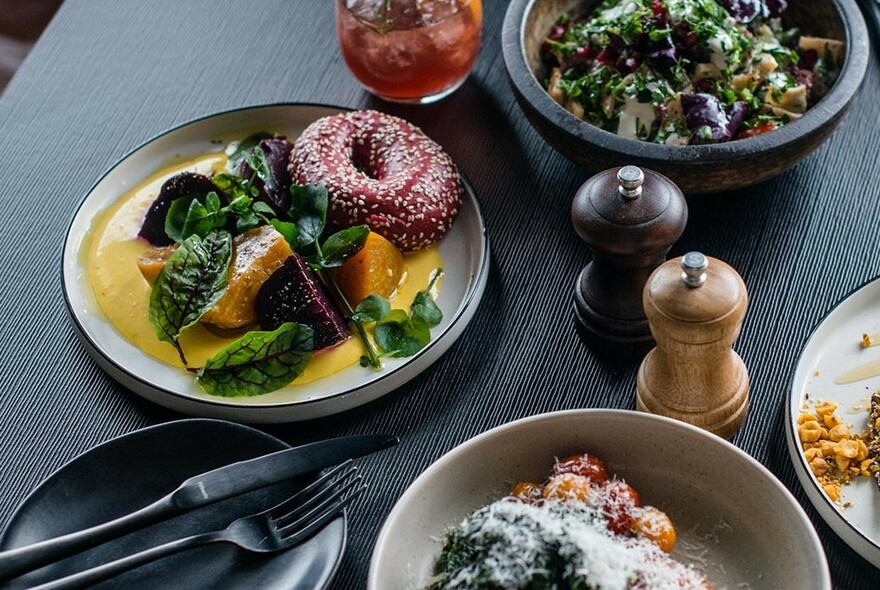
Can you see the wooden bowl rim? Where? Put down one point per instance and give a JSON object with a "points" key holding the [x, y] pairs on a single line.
{"points": [[824, 113]]}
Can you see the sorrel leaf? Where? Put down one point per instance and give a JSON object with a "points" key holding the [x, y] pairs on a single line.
{"points": [[258, 362], [190, 283]]}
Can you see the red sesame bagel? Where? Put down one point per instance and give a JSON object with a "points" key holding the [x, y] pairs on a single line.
{"points": [[381, 171]]}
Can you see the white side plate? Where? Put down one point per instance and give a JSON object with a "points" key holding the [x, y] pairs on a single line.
{"points": [[465, 253], [834, 348]]}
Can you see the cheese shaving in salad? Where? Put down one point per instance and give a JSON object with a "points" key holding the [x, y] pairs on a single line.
{"points": [[513, 544]]}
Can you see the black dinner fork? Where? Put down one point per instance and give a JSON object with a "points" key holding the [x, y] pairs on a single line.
{"points": [[287, 524]]}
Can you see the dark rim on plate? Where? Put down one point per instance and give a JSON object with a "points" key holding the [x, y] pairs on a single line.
{"points": [[789, 428], [261, 408], [832, 104]]}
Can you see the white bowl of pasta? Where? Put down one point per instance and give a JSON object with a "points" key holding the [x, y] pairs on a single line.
{"points": [[735, 525]]}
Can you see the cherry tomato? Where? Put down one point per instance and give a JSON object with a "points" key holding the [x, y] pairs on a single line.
{"points": [[757, 130], [655, 525], [527, 491], [566, 487], [584, 465], [618, 501]]}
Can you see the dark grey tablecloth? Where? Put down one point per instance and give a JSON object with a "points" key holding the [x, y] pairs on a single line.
{"points": [[107, 75]]}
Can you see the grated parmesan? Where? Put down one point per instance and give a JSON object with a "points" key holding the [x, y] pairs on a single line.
{"points": [[512, 544]]}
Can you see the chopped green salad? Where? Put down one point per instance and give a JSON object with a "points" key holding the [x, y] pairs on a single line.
{"points": [[682, 72]]}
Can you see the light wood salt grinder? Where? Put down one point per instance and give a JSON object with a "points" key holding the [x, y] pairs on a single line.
{"points": [[695, 306], [629, 219]]}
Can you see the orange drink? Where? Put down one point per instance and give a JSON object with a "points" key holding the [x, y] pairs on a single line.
{"points": [[410, 50]]}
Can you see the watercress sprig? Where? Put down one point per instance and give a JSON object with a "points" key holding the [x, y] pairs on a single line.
{"points": [[309, 210], [397, 333]]}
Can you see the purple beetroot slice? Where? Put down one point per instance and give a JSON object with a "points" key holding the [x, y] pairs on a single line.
{"points": [[276, 192], [293, 294], [185, 184]]}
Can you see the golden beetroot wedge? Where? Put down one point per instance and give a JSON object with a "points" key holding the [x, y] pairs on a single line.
{"points": [[256, 255], [377, 268]]}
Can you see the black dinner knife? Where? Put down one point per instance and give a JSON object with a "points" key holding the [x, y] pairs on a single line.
{"points": [[199, 490]]}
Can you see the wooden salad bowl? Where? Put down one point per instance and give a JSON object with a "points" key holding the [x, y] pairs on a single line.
{"points": [[696, 168]]}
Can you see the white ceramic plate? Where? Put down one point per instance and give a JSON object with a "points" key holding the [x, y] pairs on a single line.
{"points": [[832, 350], [465, 253], [749, 530]]}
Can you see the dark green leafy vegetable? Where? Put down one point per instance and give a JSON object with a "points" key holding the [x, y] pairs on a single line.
{"points": [[194, 218], [286, 229], [189, 284], [400, 334], [259, 166], [372, 309], [184, 186], [198, 218], [245, 149], [343, 245], [309, 211], [258, 362], [235, 186], [425, 308]]}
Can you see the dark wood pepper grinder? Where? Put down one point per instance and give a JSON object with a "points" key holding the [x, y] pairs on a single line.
{"points": [[629, 219], [696, 306]]}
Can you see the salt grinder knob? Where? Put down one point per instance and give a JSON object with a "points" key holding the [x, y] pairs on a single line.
{"points": [[693, 266], [695, 306], [629, 218]]}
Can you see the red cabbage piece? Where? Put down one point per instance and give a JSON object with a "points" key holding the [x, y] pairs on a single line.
{"points": [[708, 121]]}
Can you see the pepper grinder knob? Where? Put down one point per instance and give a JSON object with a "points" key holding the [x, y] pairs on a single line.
{"points": [[630, 179], [695, 307], [629, 218]]}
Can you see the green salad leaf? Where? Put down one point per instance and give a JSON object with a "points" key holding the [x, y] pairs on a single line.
{"points": [[308, 208], [399, 334], [244, 150], [258, 362], [190, 283], [185, 219], [372, 309], [343, 245]]}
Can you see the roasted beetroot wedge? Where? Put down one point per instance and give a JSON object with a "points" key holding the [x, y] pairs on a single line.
{"points": [[185, 184], [294, 294], [276, 192]]}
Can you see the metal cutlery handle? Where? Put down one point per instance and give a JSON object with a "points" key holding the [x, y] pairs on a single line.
{"points": [[24, 559], [199, 490], [114, 568]]}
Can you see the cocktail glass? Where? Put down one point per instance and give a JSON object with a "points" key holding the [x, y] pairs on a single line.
{"points": [[412, 51]]}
